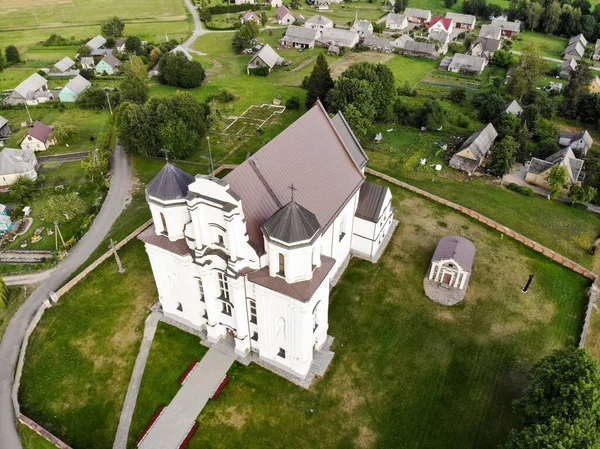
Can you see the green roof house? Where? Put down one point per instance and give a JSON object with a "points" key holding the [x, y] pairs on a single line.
{"points": [[109, 65], [73, 88]]}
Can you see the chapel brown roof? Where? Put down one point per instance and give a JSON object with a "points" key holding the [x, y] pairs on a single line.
{"points": [[179, 247]]}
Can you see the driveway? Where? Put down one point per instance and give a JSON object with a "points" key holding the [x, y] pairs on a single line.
{"points": [[64, 157], [11, 343]]}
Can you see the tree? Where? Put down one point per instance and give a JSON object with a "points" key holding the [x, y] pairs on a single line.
{"points": [[531, 116], [490, 105], [582, 194], [3, 294], [551, 17], [293, 103], [557, 178], [95, 98], [133, 44], [576, 90], [84, 50], [22, 190], [175, 69], [458, 94], [503, 58], [527, 73], [12, 54], [503, 156], [134, 86], [357, 122], [263, 18], [244, 36], [112, 27], [2, 61], [355, 92], [400, 5], [64, 132], [432, 115], [64, 208], [319, 83], [155, 55], [509, 125], [95, 165], [560, 409]]}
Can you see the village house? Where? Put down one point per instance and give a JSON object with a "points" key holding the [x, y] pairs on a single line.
{"points": [[579, 141], [266, 57], [299, 37], [514, 108], [101, 52], [284, 16], [4, 128], [62, 67], [393, 21], [15, 163], [338, 37], [33, 90], [275, 3], [467, 64], [595, 85], [108, 65], [74, 87], [242, 2], [450, 270], [183, 51], [87, 62], [401, 41], [576, 47], [490, 32], [509, 29], [415, 15], [250, 16], [250, 258], [485, 48], [462, 21], [320, 23], [539, 169], [96, 42], [473, 152], [376, 43], [567, 68], [440, 30], [422, 49], [120, 45], [6, 223], [363, 28], [596, 55], [38, 137]]}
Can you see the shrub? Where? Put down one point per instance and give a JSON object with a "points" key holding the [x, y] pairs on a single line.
{"points": [[260, 71], [224, 96], [527, 191], [293, 103]]}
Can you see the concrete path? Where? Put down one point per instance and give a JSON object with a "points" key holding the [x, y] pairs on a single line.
{"points": [[11, 342], [198, 29], [29, 278], [64, 157], [178, 418], [136, 381]]}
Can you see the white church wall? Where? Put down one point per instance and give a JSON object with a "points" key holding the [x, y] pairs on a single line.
{"points": [[175, 217], [363, 236], [332, 246], [298, 261]]}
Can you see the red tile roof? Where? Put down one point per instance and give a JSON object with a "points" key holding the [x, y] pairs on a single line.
{"points": [[282, 11], [446, 23]]}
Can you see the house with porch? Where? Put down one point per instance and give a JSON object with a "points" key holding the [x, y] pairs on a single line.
{"points": [[471, 155], [38, 138], [338, 37], [539, 169], [249, 260], [299, 37], [420, 49]]}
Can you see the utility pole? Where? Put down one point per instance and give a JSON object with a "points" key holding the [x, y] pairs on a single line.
{"points": [[114, 248], [108, 99], [210, 161], [27, 109]]}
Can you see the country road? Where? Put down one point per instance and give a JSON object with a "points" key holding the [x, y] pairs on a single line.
{"points": [[64, 157], [11, 343]]}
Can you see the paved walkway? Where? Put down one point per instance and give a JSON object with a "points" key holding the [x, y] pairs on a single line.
{"points": [[136, 380], [11, 342], [28, 278], [178, 418]]}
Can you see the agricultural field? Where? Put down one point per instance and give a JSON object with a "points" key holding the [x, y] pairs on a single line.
{"points": [[398, 355]]}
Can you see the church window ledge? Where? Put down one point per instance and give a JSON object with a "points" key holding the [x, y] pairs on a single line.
{"points": [[281, 353]]}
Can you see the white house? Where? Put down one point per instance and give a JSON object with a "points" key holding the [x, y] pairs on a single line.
{"points": [[275, 3], [250, 16], [33, 90], [266, 57], [299, 37], [364, 28], [580, 141], [38, 138], [63, 66], [96, 42], [338, 37], [416, 15], [394, 21], [320, 23], [250, 258], [284, 16], [462, 21], [15, 163], [241, 2]]}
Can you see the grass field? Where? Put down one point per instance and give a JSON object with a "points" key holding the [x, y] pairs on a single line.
{"points": [[16, 296], [407, 373], [550, 46], [80, 356], [31, 440]]}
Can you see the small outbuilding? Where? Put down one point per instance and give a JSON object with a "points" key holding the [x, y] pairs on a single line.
{"points": [[266, 57], [450, 270]]}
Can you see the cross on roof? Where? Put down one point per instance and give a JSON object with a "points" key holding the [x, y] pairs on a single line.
{"points": [[292, 188]]}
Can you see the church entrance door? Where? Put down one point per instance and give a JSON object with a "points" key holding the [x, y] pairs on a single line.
{"points": [[230, 333], [447, 278]]}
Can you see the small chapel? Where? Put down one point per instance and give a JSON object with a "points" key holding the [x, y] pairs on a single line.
{"points": [[252, 257]]}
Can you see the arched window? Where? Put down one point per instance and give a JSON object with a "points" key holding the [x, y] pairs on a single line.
{"points": [[281, 265], [164, 223], [315, 317]]}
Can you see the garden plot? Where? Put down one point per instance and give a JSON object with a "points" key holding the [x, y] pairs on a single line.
{"points": [[252, 119]]}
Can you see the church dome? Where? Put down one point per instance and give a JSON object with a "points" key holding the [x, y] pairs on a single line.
{"points": [[171, 183], [292, 224]]}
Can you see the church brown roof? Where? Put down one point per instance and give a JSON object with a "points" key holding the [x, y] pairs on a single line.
{"points": [[311, 155], [179, 247]]}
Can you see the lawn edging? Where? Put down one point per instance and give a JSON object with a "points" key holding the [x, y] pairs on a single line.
{"points": [[51, 301]]}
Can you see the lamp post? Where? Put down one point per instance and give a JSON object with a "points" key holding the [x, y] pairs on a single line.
{"points": [[210, 161], [524, 289]]}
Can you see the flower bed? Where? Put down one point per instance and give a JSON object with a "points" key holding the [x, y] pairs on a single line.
{"points": [[220, 388], [188, 371], [139, 440]]}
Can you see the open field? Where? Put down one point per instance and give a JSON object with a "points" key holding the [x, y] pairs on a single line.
{"points": [[550, 46], [81, 354], [31, 440], [407, 372]]}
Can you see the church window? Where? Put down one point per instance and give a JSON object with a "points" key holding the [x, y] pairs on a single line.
{"points": [[220, 241], [179, 307], [226, 308], [255, 336], [315, 323], [164, 223], [201, 290], [253, 311], [281, 265], [281, 353], [342, 228], [223, 286], [205, 316]]}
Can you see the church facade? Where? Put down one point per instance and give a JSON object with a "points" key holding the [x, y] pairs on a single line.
{"points": [[251, 257]]}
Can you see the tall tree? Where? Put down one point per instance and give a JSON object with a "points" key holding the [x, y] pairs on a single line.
{"points": [[557, 178], [64, 208], [22, 190], [560, 408], [95, 165], [319, 82], [551, 17], [12, 54], [133, 44], [582, 194], [355, 92], [175, 69], [64, 132], [244, 36], [112, 27], [2, 61], [576, 90], [400, 5], [527, 73], [432, 115], [134, 85], [357, 122], [503, 156], [3, 294]]}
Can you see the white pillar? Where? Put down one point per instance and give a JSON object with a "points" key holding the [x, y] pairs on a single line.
{"points": [[213, 306], [231, 236]]}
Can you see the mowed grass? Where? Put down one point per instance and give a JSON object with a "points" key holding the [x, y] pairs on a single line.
{"points": [[550, 46], [160, 382], [407, 373], [592, 341], [81, 355], [93, 127], [31, 440]]}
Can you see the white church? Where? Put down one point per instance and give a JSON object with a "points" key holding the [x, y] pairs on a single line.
{"points": [[251, 257]]}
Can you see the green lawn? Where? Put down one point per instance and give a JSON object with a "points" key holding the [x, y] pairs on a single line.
{"points": [[550, 46], [81, 355], [16, 296], [31, 440], [93, 127], [407, 373]]}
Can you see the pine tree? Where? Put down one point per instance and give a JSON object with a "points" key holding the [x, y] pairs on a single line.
{"points": [[319, 83]]}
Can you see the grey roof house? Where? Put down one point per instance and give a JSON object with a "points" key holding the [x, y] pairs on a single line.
{"points": [[15, 163], [266, 57], [576, 47], [473, 152], [467, 64], [301, 37], [416, 15], [96, 42], [567, 68], [4, 128], [338, 37], [538, 169], [509, 29], [596, 55], [63, 66], [485, 48], [513, 107], [490, 32], [33, 90], [581, 141], [394, 21], [463, 21], [378, 44], [413, 48]]}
